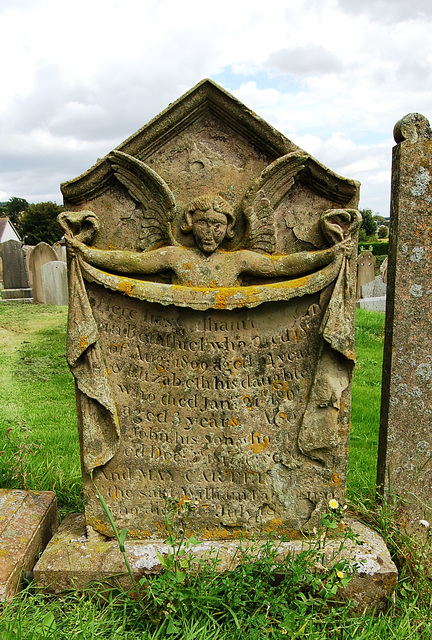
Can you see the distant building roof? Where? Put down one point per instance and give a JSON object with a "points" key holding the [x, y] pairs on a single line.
{"points": [[7, 230]]}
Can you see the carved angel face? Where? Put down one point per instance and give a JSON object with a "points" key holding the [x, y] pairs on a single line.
{"points": [[209, 229]]}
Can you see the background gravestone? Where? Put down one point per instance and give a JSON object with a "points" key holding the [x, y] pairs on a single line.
{"points": [[27, 249], [40, 255], [14, 269], [54, 282], [373, 289], [15, 278], [384, 270], [60, 249], [405, 443], [365, 269], [212, 274]]}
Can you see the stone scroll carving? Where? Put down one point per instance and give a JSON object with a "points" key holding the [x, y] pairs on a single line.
{"points": [[210, 333]]}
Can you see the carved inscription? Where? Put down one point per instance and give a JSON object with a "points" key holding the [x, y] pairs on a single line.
{"points": [[209, 408]]}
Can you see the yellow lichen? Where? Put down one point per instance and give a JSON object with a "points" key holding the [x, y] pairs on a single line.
{"points": [[256, 446], [336, 479], [126, 286]]}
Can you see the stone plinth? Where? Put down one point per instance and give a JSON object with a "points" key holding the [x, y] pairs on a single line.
{"points": [[405, 443], [18, 295], [73, 560], [372, 304], [28, 520]]}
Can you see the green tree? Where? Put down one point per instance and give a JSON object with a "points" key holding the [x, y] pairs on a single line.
{"points": [[380, 220], [368, 225], [14, 209], [39, 223], [383, 231]]}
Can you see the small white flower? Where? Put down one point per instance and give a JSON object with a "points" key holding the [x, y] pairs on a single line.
{"points": [[333, 504], [425, 523]]}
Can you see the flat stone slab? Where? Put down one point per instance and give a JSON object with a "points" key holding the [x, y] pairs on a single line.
{"points": [[28, 520], [372, 304], [74, 560], [17, 294]]}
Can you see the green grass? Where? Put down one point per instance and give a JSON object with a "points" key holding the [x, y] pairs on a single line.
{"points": [[37, 404], [366, 396], [40, 451]]}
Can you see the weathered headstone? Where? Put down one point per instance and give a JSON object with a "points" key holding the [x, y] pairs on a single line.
{"points": [[374, 289], [40, 255], [15, 278], [54, 282], [405, 444], [212, 289], [212, 277], [384, 270], [27, 249], [365, 269], [60, 249]]}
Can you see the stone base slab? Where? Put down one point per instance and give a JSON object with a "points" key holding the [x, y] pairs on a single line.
{"points": [[75, 558], [17, 295], [372, 304], [28, 519]]}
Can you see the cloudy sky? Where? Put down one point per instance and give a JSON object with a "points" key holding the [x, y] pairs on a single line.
{"points": [[333, 75]]}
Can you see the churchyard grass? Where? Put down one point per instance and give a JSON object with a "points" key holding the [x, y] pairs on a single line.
{"points": [[40, 451], [37, 405]]}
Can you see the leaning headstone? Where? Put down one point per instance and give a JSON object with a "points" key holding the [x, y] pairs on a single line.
{"points": [[28, 520], [27, 249], [41, 254], [60, 249], [405, 443], [365, 269], [374, 288], [15, 278], [54, 282], [212, 293], [384, 270]]}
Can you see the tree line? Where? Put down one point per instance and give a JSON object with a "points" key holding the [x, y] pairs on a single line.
{"points": [[34, 222], [373, 226]]}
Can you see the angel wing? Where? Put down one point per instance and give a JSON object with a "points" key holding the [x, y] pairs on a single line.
{"points": [[263, 197], [153, 195], [339, 224]]}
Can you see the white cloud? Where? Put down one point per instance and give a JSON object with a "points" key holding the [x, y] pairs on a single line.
{"points": [[334, 75]]}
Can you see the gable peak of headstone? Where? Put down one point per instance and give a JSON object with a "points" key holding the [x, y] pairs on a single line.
{"points": [[206, 101]]}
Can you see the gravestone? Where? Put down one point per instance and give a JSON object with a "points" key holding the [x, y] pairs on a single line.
{"points": [[212, 275], [384, 270], [211, 297], [27, 250], [405, 443], [374, 289], [15, 278], [365, 269], [54, 282], [60, 249], [41, 254]]}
